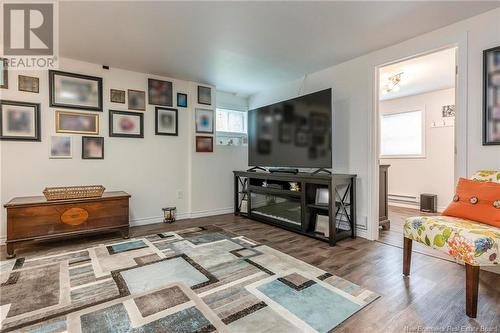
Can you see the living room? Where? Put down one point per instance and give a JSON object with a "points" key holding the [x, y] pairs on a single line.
{"points": [[130, 202]]}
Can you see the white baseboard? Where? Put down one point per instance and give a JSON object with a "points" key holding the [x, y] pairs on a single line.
{"points": [[363, 233], [181, 216], [404, 205], [155, 219], [211, 212]]}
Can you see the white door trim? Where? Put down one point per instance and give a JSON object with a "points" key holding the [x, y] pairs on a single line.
{"points": [[461, 130]]}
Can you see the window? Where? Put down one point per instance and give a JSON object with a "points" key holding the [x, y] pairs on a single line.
{"points": [[231, 127], [401, 135]]}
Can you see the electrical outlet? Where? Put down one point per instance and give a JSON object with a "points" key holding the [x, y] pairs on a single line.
{"points": [[180, 194]]}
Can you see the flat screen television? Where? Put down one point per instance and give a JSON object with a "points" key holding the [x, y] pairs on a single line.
{"points": [[294, 133]]}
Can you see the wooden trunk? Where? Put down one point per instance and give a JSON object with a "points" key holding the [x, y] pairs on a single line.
{"points": [[35, 218]]}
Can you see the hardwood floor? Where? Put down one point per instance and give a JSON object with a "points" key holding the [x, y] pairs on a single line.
{"points": [[433, 297], [394, 236]]}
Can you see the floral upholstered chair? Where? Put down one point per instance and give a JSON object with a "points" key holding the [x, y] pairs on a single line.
{"points": [[473, 243]]}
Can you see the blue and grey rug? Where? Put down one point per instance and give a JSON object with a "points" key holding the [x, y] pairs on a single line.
{"points": [[192, 280]]}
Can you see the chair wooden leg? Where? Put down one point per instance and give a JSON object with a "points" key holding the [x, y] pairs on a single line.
{"points": [[471, 289], [406, 256]]}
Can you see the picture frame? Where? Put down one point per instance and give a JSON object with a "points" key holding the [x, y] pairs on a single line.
{"points": [[491, 96], [448, 111], [77, 122], [160, 92], [124, 124], [61, 147], [136, 100], [204, 119], [204, 144], [19, 121], [166, 121], [182, 101], [117, 96], [322, 225], [204, 95], [92, 147], [75, 91], [28, 84], [4, 74], [322, 196]]}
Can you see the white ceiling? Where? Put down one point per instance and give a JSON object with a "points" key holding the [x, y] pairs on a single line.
{"points": [[427, 73], [244, 47]]}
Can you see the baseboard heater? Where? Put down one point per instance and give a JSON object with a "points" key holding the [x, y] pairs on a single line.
{"points": [[402, 198]]}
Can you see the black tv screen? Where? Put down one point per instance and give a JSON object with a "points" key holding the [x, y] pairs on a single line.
{"points": [[295, 133]]}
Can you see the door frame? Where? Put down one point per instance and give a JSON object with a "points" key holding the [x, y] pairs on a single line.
{"points": [[461, 130]]}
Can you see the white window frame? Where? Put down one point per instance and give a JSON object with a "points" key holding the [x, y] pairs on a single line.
{"points": [[241, 135], [423, 143]]}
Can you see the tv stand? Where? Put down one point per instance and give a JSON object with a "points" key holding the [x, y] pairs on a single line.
{"points": [[255, 168], [321, 170], [275, 198]]}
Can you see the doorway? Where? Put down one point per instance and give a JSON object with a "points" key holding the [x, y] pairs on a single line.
{"points": [[416, 141]]}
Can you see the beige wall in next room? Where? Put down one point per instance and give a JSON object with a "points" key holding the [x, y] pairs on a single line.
{"points": [[433, 173]]}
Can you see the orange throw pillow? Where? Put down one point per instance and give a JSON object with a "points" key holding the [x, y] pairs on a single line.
{"points": [[476, 201]]}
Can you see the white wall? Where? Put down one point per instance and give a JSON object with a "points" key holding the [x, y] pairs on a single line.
{"points": [[153, 170], [212, 174], [431, 174], [354, 138]]}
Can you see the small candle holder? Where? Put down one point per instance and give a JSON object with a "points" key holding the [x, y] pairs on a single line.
{"points": [[169, 214]]}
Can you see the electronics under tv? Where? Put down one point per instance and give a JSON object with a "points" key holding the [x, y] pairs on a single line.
{"points": [[284, 170], [296, 133]]}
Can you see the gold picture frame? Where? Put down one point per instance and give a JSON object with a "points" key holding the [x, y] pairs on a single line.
{"points": [[77, 122]]}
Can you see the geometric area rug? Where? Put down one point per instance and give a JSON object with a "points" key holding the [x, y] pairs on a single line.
{"points": [[201, 279]]}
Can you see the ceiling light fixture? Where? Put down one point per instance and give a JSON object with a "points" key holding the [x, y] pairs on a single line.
{"points": [[393, 84]]}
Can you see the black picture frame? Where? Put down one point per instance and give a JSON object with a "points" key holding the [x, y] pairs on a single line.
{"points": [[182, 105], [53, 103], [168, 92], [97, 138], [131, 94], [5, 74], [122, 135], [159, 109], [486, 91], [204, 95], [37, 127]]}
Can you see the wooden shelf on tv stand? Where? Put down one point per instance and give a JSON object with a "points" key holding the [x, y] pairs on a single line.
{"points": [[341, 187]]}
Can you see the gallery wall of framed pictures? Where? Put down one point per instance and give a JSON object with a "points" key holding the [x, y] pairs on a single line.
{"points": [[77, 107]]}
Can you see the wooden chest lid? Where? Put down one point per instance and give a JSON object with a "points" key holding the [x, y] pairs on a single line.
{"points": [[41, 200]]}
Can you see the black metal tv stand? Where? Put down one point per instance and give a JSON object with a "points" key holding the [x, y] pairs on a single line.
{"points": [[255, 168], [270, 198], [321, 170]]}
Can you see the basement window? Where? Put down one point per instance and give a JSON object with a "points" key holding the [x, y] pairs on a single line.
{"points": [[231, 127], [402, 135]]}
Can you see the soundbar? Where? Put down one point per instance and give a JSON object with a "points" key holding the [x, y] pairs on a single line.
{"points": [[284, 170]]}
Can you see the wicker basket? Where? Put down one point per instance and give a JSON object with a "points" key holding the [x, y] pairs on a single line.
{"points": [[73, 192]]}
